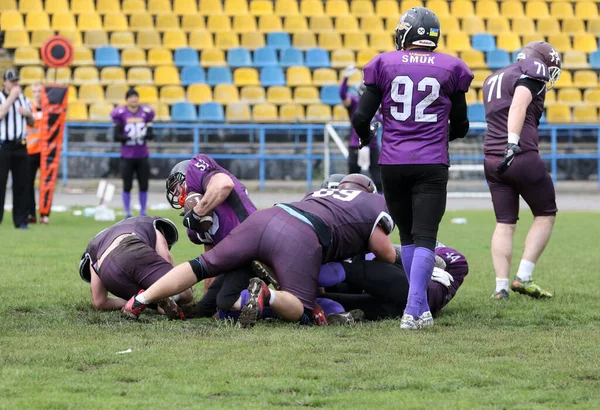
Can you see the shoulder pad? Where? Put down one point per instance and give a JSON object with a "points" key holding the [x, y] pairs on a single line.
{"points": [[535, 69]]}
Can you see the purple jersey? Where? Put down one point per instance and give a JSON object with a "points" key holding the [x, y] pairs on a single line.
{"points": [[354, 143], [134, 129], [352, 217], [498, 91], [227, 215], [439, 295], [416, 86]]}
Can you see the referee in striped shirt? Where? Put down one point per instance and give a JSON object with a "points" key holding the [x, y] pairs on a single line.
{"points": [[15, 115]]}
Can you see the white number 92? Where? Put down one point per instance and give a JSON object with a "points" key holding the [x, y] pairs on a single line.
{"points": [[345, 195]]}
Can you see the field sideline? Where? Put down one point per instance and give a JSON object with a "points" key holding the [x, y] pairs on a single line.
{"points": [[57, 352]]}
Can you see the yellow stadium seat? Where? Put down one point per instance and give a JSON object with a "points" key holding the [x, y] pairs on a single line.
{"points": [[279, 95], [160, 56], [244, 24], [355, 78], [85, 75], [201, 40], [471, 25], [161, 112], [548, 26], [487, 9], [133, 6], [340, 113], [212, 57], [253, 94], [112, 75], [192, 22], [471, 96], [291, 113], [371, 24], [148, 94], [346, 24], [386, 8], [509, 42], [210, 7], [115, 22], [83, 56], [536, 9], [458, 41], [342, 58], [565, 80], [269, 23], [27, 6], [585, 79], [63, 21], [574, 60], [330, 41], [139, 22], [159, 7], [89, 21], [298, 76], [306, 95], [95, 38], [147, 39], [311, 8], [439, 7], [480, 76], [462, 8], [586, 10], [320, 24], [261, 7], [26, 56], [58, 75], [585, 114], [569, 96], [171, 94], [584, 42], [528, 38], [77, 7], [473, 58], [561, 10], [390, 24], [304, 40], [362, 8], [324, 76], [100, 111], [550, 97], [364, 56], [167, 22], [185, 7], [591, 96], [226, 40], [219, 24], [133, 57], [236, 7], [320, 113], [511, 9], [558, 113], [382, 42], [286, 8], [336, 8], [122, 39], [593, 27], [90, 93], [72, 94], [8, 5], [560, 42], [38, 37], [77, 111], [523, 26], [572, 26], [31, 74], [295, 24], [139, 76], [73, 35], [237, 112], [199, 93], [12, 20], [265, 113], [498, 25], [174, 39], [245, 76], [355, 41], [105, 6], [166, 75], [448, 24], [409, 4]]}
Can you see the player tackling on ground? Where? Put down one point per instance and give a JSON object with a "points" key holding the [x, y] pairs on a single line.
{"points": [[514, 103]]}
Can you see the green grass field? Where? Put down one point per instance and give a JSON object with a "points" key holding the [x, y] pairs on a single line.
{"points": [[57, 352]]}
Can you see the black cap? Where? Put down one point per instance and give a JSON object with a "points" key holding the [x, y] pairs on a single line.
{"points": [[131, 92], [11, 75]]}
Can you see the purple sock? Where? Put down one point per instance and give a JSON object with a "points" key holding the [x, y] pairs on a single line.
{"points": [[143, 200], [331, 274], [245, 295], [232, 314], [407, 257], [330, 306], [126, 203], [422, 266]]}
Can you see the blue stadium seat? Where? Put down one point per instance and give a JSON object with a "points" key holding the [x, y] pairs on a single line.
{"points": [[292, 56], [595, 60], [265, 57], [183, 112], [219, 75], [483, 42], [279, 41], [514, 56], [497, 59], [107, 56], [239, 57], [211, 112], [476, 113], [272, 76], [543, 118], [186, 57], [330, 95], [317, 57], [192, 75]]}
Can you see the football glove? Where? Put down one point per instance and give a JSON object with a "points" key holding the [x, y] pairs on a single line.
{"points": [[349, 70], [442, 277], [372, 134], [509, 156], [192, 220]]}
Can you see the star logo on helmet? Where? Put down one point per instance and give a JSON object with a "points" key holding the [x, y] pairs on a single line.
{"points": [[554, 56]]}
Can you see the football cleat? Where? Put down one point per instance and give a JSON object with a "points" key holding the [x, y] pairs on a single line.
{"points": [[529, 288], [259, 298], [44, 220], [171, 309], [346, 318], [265, 273], [425, 320], [133, 309], [408, 322], [502, 294]]}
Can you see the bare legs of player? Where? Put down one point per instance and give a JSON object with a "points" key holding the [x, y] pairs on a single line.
{"points": [[538, 237], [502, 249]]}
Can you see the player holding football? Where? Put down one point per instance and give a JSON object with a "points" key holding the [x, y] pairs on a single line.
{"points": [[133, 127], [419, 91], [514, 103]]}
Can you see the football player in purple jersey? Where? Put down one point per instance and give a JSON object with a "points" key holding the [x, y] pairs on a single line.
{"points": [[422, 97], [133, 127], [514, 103]]}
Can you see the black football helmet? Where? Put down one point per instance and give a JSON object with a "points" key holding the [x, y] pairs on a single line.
{"points": [[175, 187], [358, 182], [548, 55], [332, 181], [419, 26], [84, 267]]}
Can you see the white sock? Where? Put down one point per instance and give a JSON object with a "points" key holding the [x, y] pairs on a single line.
{"points": [[525, 270], [272, 297], [141, 298], [501, 284]]}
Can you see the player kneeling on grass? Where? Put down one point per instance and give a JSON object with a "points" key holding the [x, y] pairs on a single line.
{"points": [[295, 239], [129, 257]]}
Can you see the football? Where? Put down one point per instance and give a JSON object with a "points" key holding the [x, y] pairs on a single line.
{"points": [[192, 199]]}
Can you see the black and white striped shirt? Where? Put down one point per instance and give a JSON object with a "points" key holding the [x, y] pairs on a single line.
{"points": [[13, 126]]}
